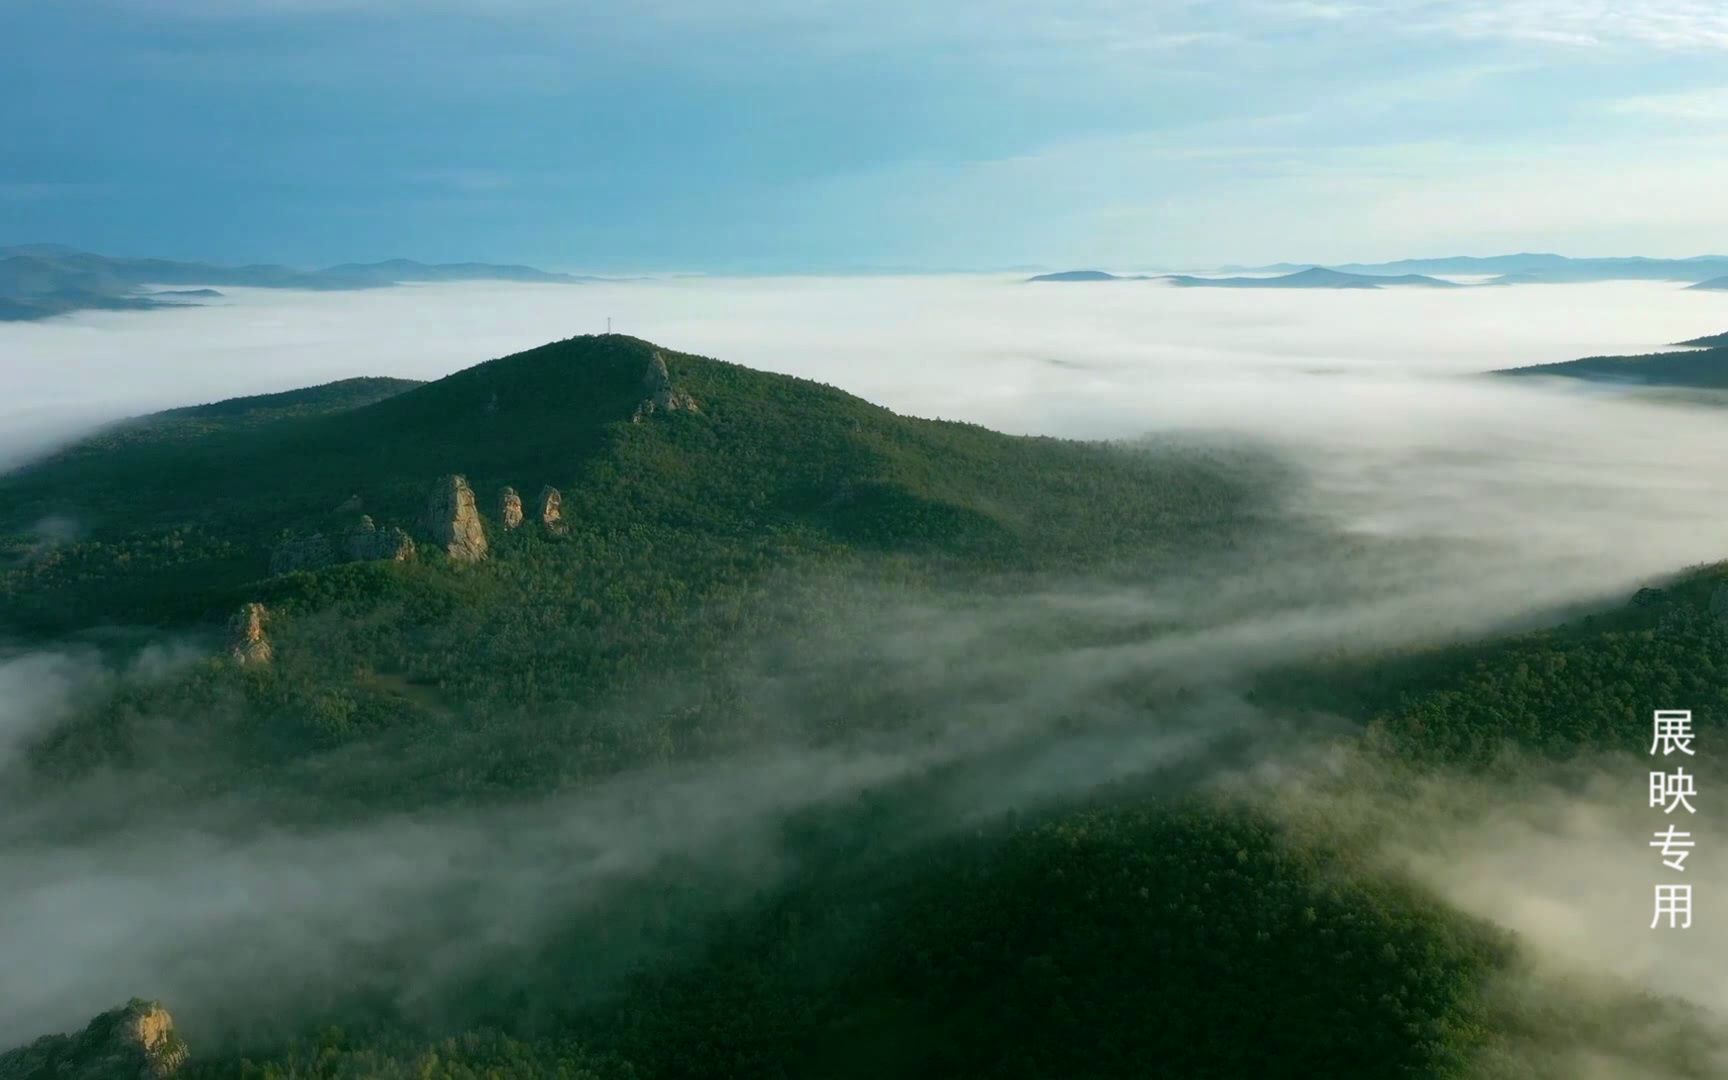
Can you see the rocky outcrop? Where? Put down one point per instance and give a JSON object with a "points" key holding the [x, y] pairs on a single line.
{"points": [[363, 541], [453, 520], [294, 553], [366, 542], [549, 509], [662, 395], [509, 508], [134, 1042], [350, 505], [248, 643]]}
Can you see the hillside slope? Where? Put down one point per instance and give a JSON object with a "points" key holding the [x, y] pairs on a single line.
{"points": [[687, 539], [766, 456], [749, 764], [1709, 341], [1700, 368]]}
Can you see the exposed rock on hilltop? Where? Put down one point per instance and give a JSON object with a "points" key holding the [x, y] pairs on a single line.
{"points": [[549, 508], [454, 521], [250, 643], [509, 508], [662, 395], [134, 1042], [362, 541], [366, 542]]}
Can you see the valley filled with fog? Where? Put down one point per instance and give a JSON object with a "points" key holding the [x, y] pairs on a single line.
{"points": [[1456, 506]]}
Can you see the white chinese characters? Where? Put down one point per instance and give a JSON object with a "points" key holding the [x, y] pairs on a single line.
{"points": [[1671, 791], [1672, 734], [1673, 731], [1674, 901]]}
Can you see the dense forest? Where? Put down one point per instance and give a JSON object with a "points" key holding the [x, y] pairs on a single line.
{"points": [[1703, 365], [974, 865]]}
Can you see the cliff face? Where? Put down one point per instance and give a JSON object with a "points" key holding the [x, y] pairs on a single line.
{"points": [[454, 521], [134, 1042], [663, 396], [509, 508], [249, 644], [549, 508]]}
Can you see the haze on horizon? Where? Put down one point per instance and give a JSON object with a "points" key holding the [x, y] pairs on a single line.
{"points": [[770, 136]]}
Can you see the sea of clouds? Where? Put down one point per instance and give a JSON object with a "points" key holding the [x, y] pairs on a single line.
{"points": [[1055, 358], [1478, 502], [1371, 391]]}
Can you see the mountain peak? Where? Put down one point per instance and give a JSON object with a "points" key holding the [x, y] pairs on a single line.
{"points": [[137, 1041]]}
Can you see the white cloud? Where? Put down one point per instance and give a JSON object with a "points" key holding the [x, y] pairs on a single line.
{"points": [[848, 330], [1681, 25], [1701, 106]]}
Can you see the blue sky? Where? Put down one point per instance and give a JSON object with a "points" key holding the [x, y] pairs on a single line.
{"points": [[788, 135]]}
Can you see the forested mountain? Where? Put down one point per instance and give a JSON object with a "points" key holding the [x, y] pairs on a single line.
{"points": [[1701, 368], [1709, 341], [727, 725]]}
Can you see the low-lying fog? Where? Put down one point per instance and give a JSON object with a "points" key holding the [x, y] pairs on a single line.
{"points": [[1365, 388], [989, 349], [1499, 499]]}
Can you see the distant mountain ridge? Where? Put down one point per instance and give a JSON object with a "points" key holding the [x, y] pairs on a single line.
{"points": [[1316, 277], [1536, 267], [39, 280], [1087, 275], [1312, 277], [1707, 271]]}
